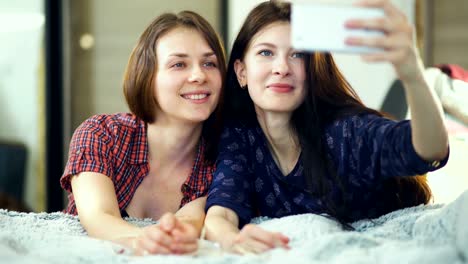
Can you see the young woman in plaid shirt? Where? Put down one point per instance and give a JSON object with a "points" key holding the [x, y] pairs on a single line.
{"points": [[157, 161]]}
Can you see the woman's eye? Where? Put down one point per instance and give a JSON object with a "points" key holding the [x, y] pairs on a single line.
{"points": [[210, 64], [178, 65], [298, 55], [265, 53]]}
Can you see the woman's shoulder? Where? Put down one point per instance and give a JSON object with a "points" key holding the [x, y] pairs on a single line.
{"points": [[113, 123], [238, 135], [117, 119], [109, 129], [240, 128], [355, 121]]}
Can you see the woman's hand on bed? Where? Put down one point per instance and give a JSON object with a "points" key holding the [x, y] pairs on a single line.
{"points": [[169, 236], [252, 239]]}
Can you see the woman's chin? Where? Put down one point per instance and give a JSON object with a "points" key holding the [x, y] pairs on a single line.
{"points": [[198, 118]]}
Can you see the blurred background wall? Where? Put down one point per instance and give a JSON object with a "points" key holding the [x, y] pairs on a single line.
{"points": [[22, 114], [96, 38]]}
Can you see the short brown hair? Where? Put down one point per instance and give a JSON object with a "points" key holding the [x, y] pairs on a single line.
{"points": [[142, 64]]}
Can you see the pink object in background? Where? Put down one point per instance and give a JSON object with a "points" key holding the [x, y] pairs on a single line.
{"points": [[454, 71], [455, 127]]}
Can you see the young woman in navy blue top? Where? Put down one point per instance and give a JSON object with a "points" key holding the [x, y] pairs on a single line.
{"points": [[298, 139]]}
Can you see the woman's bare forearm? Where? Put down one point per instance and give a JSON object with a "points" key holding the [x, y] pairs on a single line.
{"points": [[221, 227], [429, 135], [108, 227]]}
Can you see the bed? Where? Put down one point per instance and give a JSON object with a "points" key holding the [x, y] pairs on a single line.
{"points": [[434, 233]]}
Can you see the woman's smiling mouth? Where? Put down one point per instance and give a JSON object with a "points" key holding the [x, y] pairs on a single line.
{"points": [[196, 97]]}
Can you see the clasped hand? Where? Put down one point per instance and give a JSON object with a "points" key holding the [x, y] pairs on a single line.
{"points": [[169, 236]]}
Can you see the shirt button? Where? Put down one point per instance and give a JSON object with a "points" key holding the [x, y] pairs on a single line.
{"points": [[77, 152]]}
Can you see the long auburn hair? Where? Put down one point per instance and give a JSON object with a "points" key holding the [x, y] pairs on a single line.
{"points": [[329, 97], [138, 83]]}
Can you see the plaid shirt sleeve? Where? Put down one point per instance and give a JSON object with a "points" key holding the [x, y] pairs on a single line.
{"points": [[90, 151]]}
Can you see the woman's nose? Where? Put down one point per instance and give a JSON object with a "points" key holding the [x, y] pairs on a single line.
{"points": [[281, 67], [197, 75]]}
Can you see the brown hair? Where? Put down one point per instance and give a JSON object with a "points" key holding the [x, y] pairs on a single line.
{"points": [[142, 65], [329, 97]]}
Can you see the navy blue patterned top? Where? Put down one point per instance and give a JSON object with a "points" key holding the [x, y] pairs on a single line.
{"points": [[365, 149]]}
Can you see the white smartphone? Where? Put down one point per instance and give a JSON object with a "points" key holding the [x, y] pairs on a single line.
{"points": [[321, 27]]}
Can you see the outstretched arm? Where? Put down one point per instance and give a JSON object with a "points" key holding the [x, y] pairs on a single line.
{"points": [[429, 136]]}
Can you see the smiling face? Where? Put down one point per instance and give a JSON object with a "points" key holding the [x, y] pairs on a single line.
{"points": [[273, 71], [187, 81]]}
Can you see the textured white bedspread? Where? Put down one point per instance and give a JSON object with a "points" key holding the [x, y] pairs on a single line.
{"points": [[423, 234]]}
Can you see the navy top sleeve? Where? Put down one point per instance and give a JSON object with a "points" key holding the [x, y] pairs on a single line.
{"points": [[369, 148], [231, 187]]}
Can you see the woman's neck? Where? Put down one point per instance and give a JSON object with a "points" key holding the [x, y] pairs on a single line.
{"points": [[282, 139], [173, 143], [276, 127]]}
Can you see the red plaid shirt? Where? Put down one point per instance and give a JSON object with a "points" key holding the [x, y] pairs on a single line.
{"points": [[116, 146]]}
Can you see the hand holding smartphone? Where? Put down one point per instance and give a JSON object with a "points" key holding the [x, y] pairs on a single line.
{"points": [[318, 26]]}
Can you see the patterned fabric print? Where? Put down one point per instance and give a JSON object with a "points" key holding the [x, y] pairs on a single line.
{"points": [[365, 149], [116, 146]]}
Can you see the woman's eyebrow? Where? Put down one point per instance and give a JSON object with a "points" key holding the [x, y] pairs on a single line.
{"points": [[185, 55], [268, 44], [209, 54], [180, 55]]}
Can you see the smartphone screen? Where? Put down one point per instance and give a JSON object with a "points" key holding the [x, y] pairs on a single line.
{"points": [[321, 26]]}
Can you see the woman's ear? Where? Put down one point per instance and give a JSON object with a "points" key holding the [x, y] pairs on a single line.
{"points": [[239, 68]]}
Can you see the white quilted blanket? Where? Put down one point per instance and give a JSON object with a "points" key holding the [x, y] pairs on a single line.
{"points": [[423, 234]]}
